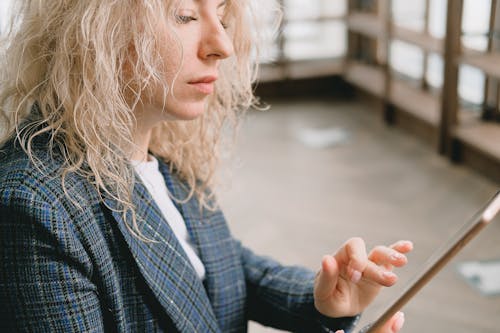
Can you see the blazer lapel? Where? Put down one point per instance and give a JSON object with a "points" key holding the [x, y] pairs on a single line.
{"points": [[215, 246], [165, 266]]}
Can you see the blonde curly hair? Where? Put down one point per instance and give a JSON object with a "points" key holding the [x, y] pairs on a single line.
{"points": [[66, 58]]}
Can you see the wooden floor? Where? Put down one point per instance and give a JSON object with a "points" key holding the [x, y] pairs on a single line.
{"points": [[297, 203]]}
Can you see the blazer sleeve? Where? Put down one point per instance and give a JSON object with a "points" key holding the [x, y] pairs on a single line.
{"points": [[45, 274], [282, 297]]}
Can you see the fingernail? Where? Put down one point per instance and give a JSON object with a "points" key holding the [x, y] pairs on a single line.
{"points": [[398, 324], [409, 243], [356, 276], [397, 256], [389, 275]]}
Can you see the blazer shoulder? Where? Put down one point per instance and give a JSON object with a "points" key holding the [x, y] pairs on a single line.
{"points": [[34, 197], [16, 167], [39, 175]]}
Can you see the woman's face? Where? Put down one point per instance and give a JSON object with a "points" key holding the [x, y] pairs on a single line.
{"points": [[191, 49]]}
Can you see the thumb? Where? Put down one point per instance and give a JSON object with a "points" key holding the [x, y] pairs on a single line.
{"points": [[394, 324], [326, 280]]}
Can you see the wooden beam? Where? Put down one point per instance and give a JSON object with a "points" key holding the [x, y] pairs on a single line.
{"points": [[421, 39], [385, 12], [366, 24], [425, 66], [485, 61], [449, 103], [490, 86], [419, 103], [368, 78]]}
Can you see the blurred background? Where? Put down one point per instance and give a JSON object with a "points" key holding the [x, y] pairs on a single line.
{"points": [[383, 123]]}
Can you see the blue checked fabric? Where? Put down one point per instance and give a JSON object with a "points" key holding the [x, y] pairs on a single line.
{"points": [[73, 266]]}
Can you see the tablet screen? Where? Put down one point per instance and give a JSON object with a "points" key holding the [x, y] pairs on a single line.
{"points": [[439, 259]]}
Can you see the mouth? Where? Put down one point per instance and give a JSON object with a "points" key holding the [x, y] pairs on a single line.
{"points": [[204, 84]]}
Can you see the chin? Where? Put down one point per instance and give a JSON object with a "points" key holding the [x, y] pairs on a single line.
{"points": [[187, 112]]}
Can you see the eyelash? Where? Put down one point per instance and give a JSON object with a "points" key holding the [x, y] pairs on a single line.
{"points": [[183, 19]]}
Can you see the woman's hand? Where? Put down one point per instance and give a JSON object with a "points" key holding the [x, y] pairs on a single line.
{"points": [[393, 325], [349, 280]]}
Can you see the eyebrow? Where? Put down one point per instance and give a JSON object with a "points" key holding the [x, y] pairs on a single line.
{"points": [[222, 4]]}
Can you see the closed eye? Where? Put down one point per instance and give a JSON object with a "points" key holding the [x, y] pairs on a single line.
{"points": [[183, 19]]}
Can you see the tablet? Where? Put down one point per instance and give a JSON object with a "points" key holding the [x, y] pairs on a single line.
{"points": [[439, 259]]}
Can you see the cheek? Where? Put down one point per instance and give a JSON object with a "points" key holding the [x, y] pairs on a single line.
{"points": [[171, 64], [170, 52]]}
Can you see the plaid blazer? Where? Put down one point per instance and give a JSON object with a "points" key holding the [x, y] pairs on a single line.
{"points": [[70, 264]]}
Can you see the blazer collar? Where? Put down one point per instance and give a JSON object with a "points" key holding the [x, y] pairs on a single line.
{"points": [[164, 264]]}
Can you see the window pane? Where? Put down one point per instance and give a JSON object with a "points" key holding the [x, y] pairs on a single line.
{"points": [[410, 14], [435, 68], [471, 84], [475, 24], [300, 9], [317, 39], [437, 18], [407, 59]]}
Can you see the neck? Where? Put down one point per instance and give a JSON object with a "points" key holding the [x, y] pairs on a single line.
{"points": [[146, 119], [141, 139]]}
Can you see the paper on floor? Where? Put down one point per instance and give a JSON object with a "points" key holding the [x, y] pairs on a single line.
{"points": [[482, 275], [322, 137]]}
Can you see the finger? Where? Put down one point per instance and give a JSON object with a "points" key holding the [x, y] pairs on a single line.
{"points": [[327, 278], [353, 255], [379, 275], [383, 255], [402, 246], [398, 322], [394, 324]]}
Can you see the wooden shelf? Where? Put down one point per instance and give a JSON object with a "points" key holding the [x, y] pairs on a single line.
{"points": [[422, 105], [313, 18], [315, 68], [366, 24], [487, 62], [420, 39], [300, 69], [482, 136], [427, 114], [270, 73], [367, 77]]}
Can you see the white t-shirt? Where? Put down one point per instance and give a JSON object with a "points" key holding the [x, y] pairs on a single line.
{"points": [[152, 178]]}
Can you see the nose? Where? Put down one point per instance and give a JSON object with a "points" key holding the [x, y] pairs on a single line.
{"points": [[215, 42]]}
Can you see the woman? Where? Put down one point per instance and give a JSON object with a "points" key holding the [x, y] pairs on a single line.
{"points": [[112, 113]]}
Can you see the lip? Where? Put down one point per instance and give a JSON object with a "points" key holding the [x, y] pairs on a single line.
{"points": [[204, 84]]}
